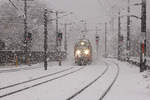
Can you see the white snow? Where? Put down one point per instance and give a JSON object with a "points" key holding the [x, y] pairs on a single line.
{"points": [[130, 84], [95, 91]]}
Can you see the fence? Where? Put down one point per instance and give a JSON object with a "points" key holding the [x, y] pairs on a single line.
{"points": [[9, 57]]}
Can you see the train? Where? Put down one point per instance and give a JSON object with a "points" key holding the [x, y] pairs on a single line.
{"points": [[83, 52]]}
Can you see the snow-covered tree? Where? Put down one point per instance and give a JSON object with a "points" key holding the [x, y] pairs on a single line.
{"points": [[12, 25]]}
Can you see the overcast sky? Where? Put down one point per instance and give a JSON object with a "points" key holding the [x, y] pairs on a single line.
{"points": [[86, 8], [89, 9], [83, 8]]}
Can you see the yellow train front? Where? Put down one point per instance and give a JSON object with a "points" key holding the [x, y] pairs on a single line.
{"points": [[83, 52]]}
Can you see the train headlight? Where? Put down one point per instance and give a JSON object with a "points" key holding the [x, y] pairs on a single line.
{"points": [[86, 51], [82, 43], [78, 52]]}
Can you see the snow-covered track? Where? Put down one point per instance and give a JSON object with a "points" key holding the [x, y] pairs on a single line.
{"points": [[114, 80], [88, 85], [18, 69], [100, 86], [18, 87], [5, 87]]}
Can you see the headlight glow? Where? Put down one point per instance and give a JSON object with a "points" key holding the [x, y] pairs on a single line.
{"points": [[78, 52], [82, 43], [86, 51]]}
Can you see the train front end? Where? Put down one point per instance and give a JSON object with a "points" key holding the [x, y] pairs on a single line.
{"points": [[83, 52]]}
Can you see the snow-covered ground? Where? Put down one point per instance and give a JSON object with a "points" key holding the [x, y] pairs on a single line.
{"points": [[22, 75], [130, 84]]}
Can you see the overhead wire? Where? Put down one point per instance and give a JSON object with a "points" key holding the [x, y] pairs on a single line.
{"points": [[13, 5]]}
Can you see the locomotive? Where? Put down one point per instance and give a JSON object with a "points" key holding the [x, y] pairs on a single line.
{"points": [[83, 52]]}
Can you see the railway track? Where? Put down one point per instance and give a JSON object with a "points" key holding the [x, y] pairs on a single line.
{"points": [[94, 81], [5, 87], [114, 80], [18, 87]]}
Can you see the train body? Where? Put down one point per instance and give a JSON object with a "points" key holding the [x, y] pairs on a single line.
{"points": [[83, 52]]}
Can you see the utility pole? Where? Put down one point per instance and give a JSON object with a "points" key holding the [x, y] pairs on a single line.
{"points": [[128, 32], [58, 37], [143, 23], [105, 39], [97, 42], [143, 38], [58, 46], [25, 31], [143, 30], [65, 42], [56, 29], [119, 32], [45, 39], [58, 42]]}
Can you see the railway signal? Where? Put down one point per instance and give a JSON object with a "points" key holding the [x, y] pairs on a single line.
{"points": [[122, 38], [97, 39], [142, 58], [29, 37], [59, 38], [143, 48]]}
